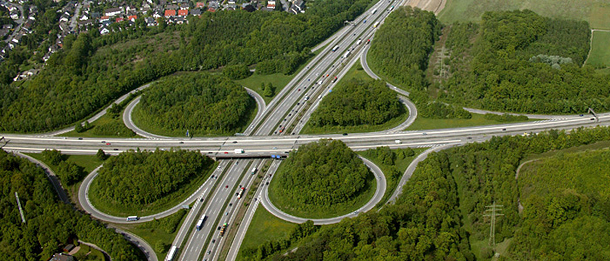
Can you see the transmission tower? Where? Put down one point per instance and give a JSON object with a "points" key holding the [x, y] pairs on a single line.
{"points": [[492, 211]]}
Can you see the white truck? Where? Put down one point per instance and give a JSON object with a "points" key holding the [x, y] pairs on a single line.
{"points": [[346, 54], [239, 151]]}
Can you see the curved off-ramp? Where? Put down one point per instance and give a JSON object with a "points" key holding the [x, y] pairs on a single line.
{"points": [[379, 192], [128, 121]]}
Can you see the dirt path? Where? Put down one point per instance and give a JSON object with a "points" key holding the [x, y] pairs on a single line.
{"points": [[517, 177], [434, 6]]}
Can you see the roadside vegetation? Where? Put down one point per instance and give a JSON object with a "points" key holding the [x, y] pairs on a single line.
{"points": [[357, 103], [50, 224], [600, 53], [265, 227], [476, 120], [322, 179], [159, 233], [393, 163], [200, 103], [92, 70], [533, 67], [146, 182], [440, 212]]}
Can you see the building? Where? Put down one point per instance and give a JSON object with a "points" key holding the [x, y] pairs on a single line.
{"points": [[61, 257], [200, 5], [183, 13], [113, 11], [170, 13], [132, 18]]}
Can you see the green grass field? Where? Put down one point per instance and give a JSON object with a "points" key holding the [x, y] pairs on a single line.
{"points": [[265, 227], [106, 119], [278, 80], [400, 164], [154, 234], [431, 124], [594, 11], [316, 212], [87, 253], [600, 51], [170, 200]]}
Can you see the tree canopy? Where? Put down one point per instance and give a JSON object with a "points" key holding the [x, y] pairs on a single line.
{"points": [[321, 174], [50, 224], [137, 180], [200, 103], [357, 102], [521, 62]]}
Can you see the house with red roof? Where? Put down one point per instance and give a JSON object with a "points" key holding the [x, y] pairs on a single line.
{"points": [[200, 5], [170, 13], [183, 12], [132, 18], [119, 19]]}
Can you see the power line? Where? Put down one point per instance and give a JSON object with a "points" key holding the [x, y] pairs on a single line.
{"points": [[493, 209]]}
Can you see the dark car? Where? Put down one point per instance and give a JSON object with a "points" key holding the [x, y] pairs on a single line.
{"points": [[226, 186], [344, 134]]}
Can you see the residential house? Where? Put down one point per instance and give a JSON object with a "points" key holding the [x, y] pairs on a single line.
{"points": [[196, 12], [183, 13], [271, 4], [104, 18], [172, 7], [150, 21], [119, 19], [132, 18], [61, 257], [200, 5], [298, 6], [113, 11], [170, 13], [179, 20]]}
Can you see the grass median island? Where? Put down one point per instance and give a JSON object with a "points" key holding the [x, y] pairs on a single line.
{"points": [[357, 106], [476, 120], [321, 180], [263, 228], [393, 163], [147, 182], [201, 103], [159, 233]]}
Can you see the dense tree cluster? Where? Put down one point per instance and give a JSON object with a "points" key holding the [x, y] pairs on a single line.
{"points": [[443, 203], [322, 173], [137, 179], [402, 45], [50, 224], [90, 71], [438, 110], [358, 102], [519, 61], [505, 117], [236, 72], [200, 103]]}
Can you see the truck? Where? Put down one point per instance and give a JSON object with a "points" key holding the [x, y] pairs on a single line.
{"points": [[397, 141], [374, 11], [346, 54], [253, 171], [335, 79], [200, 222], [376, 24], [241, 192], [335, 48], [222, 230], [133, 218], [171, 253], [239, 151], [368, 41]]}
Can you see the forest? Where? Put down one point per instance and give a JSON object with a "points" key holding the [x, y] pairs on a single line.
{"points": [[357, 102], [519, 61], [88, 73], [440, 212], [201, 103], [50, 224], [321, 174], [138, 179]]}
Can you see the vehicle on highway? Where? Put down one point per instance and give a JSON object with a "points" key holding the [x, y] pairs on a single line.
{"points": [[213, 241], [241, 193], [359, 41], [504, 129], [335, 79], [376, 24], [107, 143], [182, 142], [200, 222], [234, 141], [226, 186], [133, 218], [103, 142], [171, 253], [397, 141], [335, 48], [368, 41], [374, 11], [346, 54], [299, 90], [226, 152], [224, 228], [425, 133], [253, 171], [364, 22], [80, 138], [344, 134], [239, 151]]}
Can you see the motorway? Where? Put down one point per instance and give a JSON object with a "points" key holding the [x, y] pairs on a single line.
{"points": [[288, 110]]}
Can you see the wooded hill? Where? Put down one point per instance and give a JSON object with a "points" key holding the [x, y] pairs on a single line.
{"points": [[50, 224], [200, 103], [80, 79], [439, 214], [518, 61], [140, 179], [321, 174], [357, 102]]}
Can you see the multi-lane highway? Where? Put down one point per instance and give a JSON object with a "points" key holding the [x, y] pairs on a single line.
{"points": [[272, 129]]}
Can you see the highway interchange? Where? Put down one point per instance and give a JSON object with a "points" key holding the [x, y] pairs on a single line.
{"points": [[275, 130]]}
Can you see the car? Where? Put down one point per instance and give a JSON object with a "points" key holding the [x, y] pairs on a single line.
{"points": [[344, 134], [470, 138], [226, 152], [289, 114], [209, 152], [275, 148], [218, 228], [107, 143], [80, 138], [504, 129], [201, 199], [182, 142], [227, 214], [298, 103], [234, 141], [103, 142], [327, 75], [425, 133], [267, 183], [307, 79], [115, 149], [226, 186], [212, 176], [209, 251], [592, 119], [230, 204], [214, 240], [298, 90]]}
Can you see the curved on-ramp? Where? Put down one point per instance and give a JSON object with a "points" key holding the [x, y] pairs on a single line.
{"points": [[260, 103], [379, 192]]}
